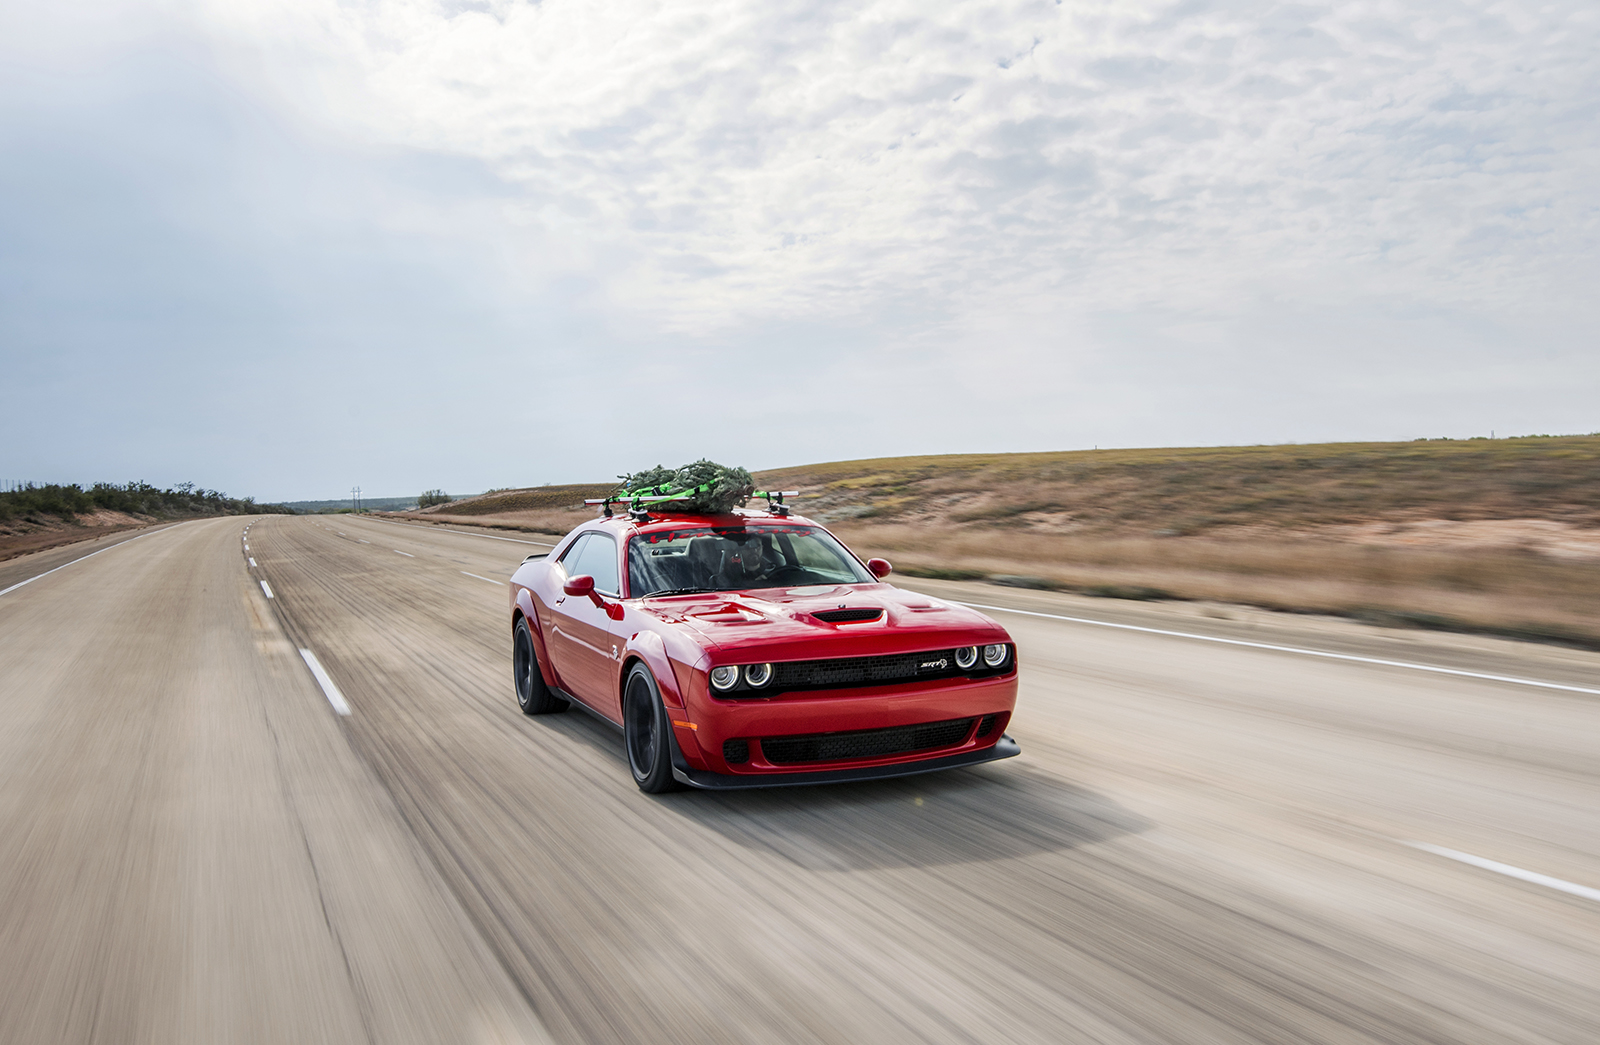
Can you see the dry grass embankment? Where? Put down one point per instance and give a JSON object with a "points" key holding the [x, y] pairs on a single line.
{"points": [[36, 517], [1485, 535], [1500, 536], [41, 533]]}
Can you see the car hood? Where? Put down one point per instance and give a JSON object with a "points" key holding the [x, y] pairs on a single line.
{"points": [[779, 616]]}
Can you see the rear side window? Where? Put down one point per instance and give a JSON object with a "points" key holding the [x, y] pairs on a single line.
{"points": [[596, 555]]}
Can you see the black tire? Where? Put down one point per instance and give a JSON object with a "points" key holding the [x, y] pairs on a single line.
{"points": [[533, 696], [644, 733]]}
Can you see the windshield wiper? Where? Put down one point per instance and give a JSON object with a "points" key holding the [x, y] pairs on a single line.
{"points": [[680, 591]]}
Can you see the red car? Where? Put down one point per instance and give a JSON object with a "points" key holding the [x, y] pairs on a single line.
{"points": [[753, 649]]}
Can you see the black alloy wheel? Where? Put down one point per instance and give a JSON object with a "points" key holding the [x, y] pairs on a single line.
{"points": [[533, 696], [644, 730]]}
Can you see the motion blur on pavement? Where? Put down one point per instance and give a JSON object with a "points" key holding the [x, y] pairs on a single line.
{"points": [[1205, 839]]}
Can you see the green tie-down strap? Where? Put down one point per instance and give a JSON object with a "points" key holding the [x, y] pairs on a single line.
{"points": [[655, 494], [703, 486]]}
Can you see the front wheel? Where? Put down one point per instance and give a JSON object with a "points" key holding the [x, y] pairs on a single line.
{"points": [[533, 696], [644, 730]]}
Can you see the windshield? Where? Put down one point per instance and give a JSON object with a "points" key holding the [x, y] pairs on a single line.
{"points": [[721, 558]]}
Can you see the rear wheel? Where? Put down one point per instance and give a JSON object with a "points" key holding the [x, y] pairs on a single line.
{"points": [[644, 730], [533, 696]]}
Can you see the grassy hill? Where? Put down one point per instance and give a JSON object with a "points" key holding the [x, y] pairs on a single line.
{"points": [[1500, 536], [1190, 491], [1489, 535]]}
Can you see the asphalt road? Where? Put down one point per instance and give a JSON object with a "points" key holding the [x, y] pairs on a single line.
{"points": [[1202, 842]]}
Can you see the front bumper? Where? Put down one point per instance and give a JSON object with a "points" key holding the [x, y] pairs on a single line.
{"points": [[706, 780], [840, 711]]}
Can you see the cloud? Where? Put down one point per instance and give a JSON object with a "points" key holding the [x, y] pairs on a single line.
{"points": [[759, 159], [469, 244]]}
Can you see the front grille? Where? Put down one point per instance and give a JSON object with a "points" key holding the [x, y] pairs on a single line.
{"points": [[865, 743], [986, 725], [846, 616], [839, 672], [735, 751]]}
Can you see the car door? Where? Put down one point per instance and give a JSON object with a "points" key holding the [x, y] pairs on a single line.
{"points": [[581, 645]]}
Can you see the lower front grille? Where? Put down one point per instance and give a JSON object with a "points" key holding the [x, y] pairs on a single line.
{"points": [[986, 725], [865, 743], [735, 751]]}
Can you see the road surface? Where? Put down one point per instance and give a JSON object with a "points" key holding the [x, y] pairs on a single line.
{"points": [[1202, 841]]}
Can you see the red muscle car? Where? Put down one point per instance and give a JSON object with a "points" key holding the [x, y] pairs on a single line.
{"points": [[753, 649]]}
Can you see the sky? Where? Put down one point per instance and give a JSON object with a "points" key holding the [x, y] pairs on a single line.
{"points": [[283, 249]]}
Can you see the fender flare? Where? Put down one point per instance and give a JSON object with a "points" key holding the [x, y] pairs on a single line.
{"points": [[647, 646], [524, 602]]}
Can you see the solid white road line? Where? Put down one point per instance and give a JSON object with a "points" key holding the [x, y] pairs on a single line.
{"points": [[79, 559], [1512, 679], [468, 533], [408, 555], [1506, 869], [491, 580], [252, 562], [267, 589], [329, 690]]}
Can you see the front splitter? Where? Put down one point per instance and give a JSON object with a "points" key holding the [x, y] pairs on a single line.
{"points": [[706, 780]]}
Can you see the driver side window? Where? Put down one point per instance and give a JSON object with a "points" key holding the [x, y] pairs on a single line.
{"points": [[596, 555]]}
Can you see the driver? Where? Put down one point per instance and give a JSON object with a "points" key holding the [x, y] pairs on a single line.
{"points": [[748, 562]]}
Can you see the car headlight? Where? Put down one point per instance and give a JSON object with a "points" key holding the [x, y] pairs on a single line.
{"points": [[725, 677], [966, 656], [995, 655], [758, 675]]}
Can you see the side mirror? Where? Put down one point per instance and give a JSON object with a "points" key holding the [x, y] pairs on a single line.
{"points": [[880, 567], [579, 587]]}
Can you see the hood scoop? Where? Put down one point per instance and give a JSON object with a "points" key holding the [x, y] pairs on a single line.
{"points": [[729, 614], [851, 615]]}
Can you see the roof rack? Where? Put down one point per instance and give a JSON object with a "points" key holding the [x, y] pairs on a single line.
{"points": [[636, 500], [775, 503]]}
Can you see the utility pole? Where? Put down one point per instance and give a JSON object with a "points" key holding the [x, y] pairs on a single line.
{"points": [[355, 498]]}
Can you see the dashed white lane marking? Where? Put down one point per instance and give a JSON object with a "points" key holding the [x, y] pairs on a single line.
{"points": [[469, 533], [1506, 869], [79, 559], [491, 580], [408, 555], [266, 588], [363, 542], [247, 547], [252, 562], [329, 690], [1512, 679]]}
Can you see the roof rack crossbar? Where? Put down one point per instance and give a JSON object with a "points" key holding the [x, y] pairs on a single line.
{"points": [[637, 499]]}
